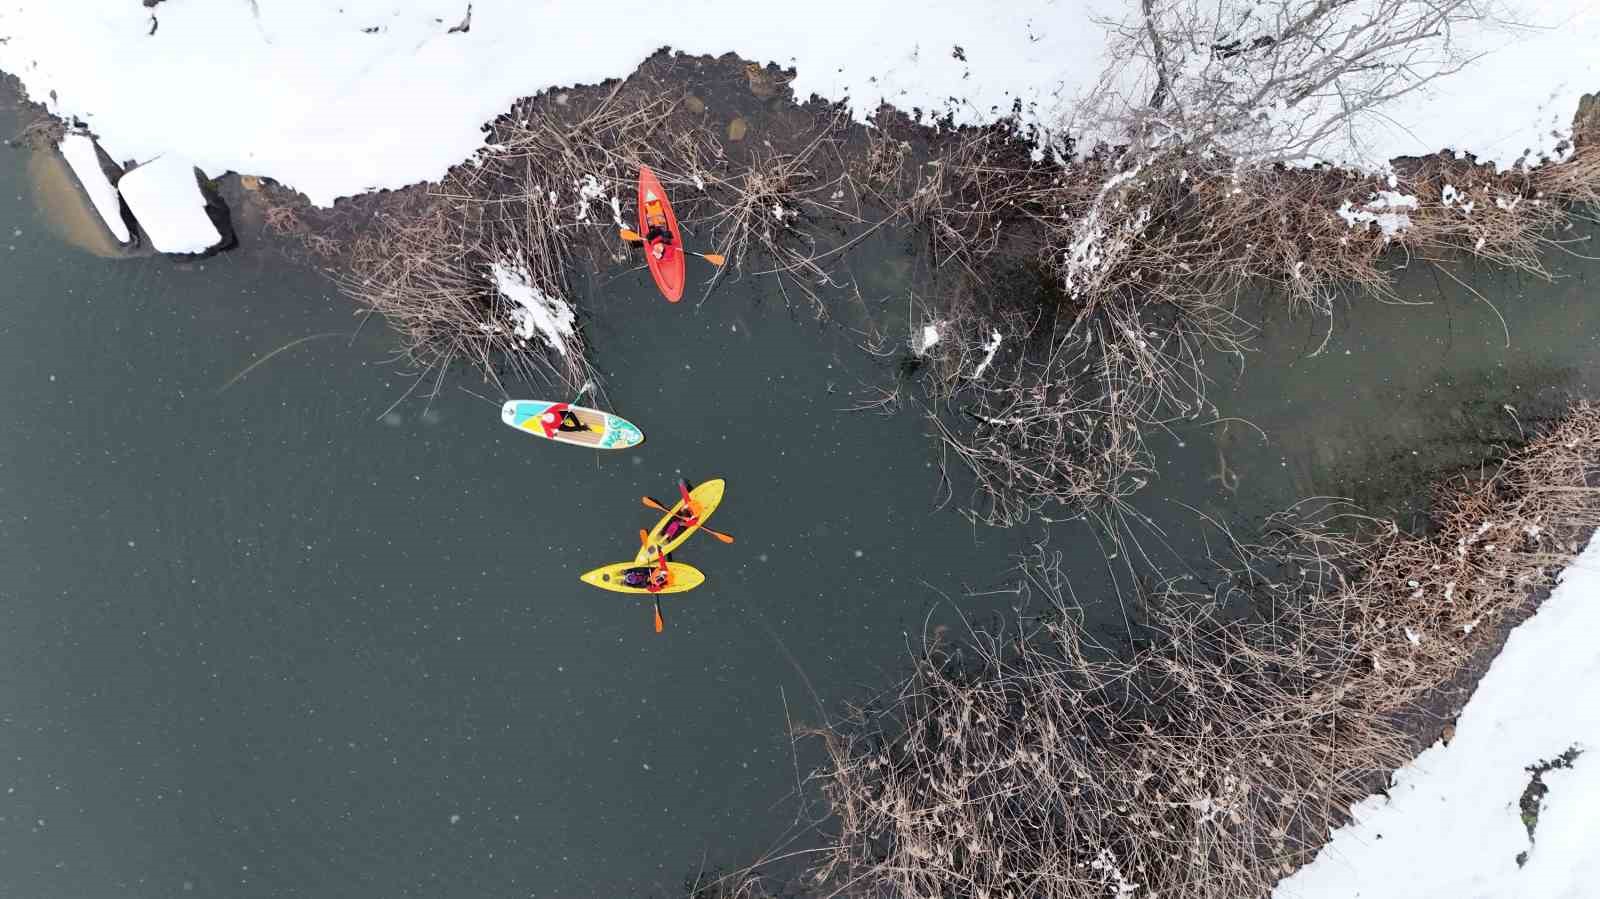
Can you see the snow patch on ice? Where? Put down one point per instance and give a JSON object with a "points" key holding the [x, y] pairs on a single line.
{"points": [[536, 312], [989, 349], [164, 197], [80, 153], [1387, 209], [921, 343], [1451, 198]]}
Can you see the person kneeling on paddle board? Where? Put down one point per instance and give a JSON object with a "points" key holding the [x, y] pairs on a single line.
{"points": [[560, 418]]}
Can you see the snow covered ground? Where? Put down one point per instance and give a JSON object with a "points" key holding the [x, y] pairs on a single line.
{"points": [[339, 98], [165, 198], [534, 312], [80, 153], [1451, 827]]}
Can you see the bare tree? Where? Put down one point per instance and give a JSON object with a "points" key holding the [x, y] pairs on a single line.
{"points": [[1270, 81]]}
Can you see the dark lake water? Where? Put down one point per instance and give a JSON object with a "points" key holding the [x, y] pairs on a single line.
{"points": [[267, 641]]}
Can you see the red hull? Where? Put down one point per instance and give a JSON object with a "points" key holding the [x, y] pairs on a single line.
{"points": [[669, 272]]}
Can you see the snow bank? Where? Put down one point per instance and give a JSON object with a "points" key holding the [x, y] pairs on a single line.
{"points": [[165, 199], [1514, 102], [339, 98], [537, 312], [1451, 827], [81, 155], [336, 99]]}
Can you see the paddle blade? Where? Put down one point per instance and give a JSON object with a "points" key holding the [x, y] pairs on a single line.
{"points": [[630, 236], [716, 259], [644, 537], [660, 625], [718, 534], [653, 504]]}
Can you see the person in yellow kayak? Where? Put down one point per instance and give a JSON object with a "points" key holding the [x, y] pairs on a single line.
{"points": [[658, 237], [653, 578], [686, 517]]}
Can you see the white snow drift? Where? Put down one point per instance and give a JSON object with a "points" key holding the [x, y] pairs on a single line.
{"points": [[80, 153], [1451, 826], [339, 98], [535, 312], [165, 198]]}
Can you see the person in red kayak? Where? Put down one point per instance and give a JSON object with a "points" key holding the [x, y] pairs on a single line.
{"points": [[560, 418], [658, 237]]}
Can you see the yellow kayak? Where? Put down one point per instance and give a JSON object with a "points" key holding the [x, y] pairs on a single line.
{"points": [[706, 497], [609, 577]]}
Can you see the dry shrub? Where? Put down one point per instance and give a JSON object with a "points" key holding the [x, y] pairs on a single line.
{"points": [[42, 131], [284, 214], [981, 184], [1150, 256], [766, 203], [549, 187], [1219, 755], [428, 270], [549, 190]]}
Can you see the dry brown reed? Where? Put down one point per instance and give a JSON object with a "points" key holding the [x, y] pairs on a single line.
{"points": [[548, 193], [1151, 257], [547, 190], [767, 204], [42, 131], [1219, 755]]}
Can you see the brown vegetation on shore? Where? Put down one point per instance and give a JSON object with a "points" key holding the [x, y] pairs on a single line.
{"points": [[1151, 257], [1142, 253], [548, 193], [1218, 756]]}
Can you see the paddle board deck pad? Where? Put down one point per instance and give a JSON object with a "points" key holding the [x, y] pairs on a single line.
{"points": [[600, 430], [683, 578], [707, 497], [669, 271]]}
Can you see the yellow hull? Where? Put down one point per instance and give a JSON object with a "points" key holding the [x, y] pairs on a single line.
{"points": [[707, 496], [609, 577]]}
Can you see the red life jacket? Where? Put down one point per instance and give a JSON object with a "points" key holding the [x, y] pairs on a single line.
{"points": [[550, 420]]}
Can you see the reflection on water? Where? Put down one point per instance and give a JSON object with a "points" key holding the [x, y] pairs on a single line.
{"points": [[1404, 394], [64, 208]]}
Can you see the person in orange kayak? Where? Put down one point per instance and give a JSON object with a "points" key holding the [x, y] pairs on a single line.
{"points": [[658, 237]]}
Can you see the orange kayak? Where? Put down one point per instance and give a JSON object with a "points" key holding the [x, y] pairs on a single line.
{"points": [[669, 271]]}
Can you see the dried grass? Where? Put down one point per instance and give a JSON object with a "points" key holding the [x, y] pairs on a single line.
{"points": [[1219, 756], [549, 190], [1151, 257]]}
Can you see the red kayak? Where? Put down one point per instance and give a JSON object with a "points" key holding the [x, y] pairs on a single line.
{"points": [[668, 267]]}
